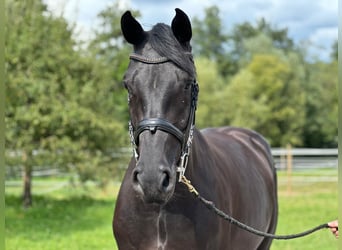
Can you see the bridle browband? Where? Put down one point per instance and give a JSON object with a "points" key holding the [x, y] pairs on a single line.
{"points": [[143, 59], [154, 124]]}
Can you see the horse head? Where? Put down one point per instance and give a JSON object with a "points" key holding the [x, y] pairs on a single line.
{"points": [[162, 93]]}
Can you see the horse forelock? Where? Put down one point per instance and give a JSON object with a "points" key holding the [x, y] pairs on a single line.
{"points": [[163, 41]]}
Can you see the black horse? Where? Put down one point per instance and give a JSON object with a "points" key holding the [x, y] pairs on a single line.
{"points": [[230, 166]]}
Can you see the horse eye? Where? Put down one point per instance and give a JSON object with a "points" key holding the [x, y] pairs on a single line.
{"points": [[188, 84], [129, 95], [124, 84]]}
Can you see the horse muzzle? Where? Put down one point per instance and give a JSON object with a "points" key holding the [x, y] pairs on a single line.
{"points": [[154, 186]]}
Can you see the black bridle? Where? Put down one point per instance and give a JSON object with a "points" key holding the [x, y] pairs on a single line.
{"points": [[156, 123]]}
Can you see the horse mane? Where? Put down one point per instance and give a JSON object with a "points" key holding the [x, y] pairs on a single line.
{"points": [[166, 45]]}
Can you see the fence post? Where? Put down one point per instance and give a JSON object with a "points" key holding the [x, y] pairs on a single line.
{"points": [[289, 168]]}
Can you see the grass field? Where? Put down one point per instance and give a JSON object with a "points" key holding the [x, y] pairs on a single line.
{"points": [[79, 218]]}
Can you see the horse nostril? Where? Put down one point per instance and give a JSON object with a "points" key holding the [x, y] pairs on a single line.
{"points": [[166, 180], [136, 176]]}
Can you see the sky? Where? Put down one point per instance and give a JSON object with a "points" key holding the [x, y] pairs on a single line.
{"points": [[312, 22]]}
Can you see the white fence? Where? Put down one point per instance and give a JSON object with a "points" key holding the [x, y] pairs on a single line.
{"points": [[305, 158], [301, 158], [286, 159]]}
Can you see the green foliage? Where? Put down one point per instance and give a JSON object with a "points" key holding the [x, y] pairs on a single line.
{"points": [[60, 104], [266, 95], [271, 38], [259, 99], [112, 54], [322, 105], [211, 83], [228, 48], [209, 40], [269, 85], [208, 36], [334, 53]]}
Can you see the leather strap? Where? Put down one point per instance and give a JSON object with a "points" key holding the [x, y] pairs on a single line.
{"points": [[154, 124]]}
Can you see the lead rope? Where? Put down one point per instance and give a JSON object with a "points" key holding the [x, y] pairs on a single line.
{"points": [[210, 205]]}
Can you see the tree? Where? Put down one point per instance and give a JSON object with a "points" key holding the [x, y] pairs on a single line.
{"points": [[112, 57], [54, 115], [321, 105], [227, 49], [209, 39], [334, 53], [256, 59], [266, 96], [208, 36], [210, 110], [279, 37], [276, 39]]}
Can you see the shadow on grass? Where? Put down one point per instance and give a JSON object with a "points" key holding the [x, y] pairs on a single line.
{"points": [[51, 216]]}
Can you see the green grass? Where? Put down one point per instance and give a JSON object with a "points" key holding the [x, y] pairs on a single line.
{"points": [[75, 217], [70, 218], [306, 205]]}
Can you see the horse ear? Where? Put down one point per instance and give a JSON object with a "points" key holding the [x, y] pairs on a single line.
{"points": [[131, 29], [181, 26]]}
